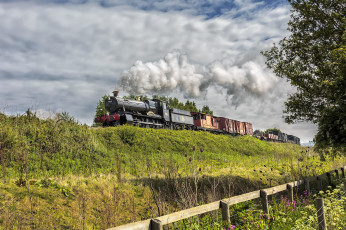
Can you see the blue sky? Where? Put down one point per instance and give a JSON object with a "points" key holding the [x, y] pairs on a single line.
{"points": [[64, 55]]}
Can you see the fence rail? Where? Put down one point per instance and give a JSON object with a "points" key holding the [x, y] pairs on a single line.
{"points": [[157, 223]]}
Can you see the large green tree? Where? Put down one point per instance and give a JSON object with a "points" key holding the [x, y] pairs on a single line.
{"points": [[312, 59]]}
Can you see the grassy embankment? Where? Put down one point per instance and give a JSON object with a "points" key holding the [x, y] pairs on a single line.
{"points": [[58, 174]]}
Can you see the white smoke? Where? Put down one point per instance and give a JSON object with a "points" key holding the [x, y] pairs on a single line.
{"points": [[174, 72]]}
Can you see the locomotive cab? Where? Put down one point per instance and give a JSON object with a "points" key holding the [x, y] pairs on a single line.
{"points": [[162, 109]]}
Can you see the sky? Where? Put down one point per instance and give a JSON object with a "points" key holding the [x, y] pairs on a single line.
{"points": [[64, 55]]}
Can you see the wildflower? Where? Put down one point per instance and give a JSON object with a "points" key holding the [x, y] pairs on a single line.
{"points": [[193, 148], [202, 149], [185, 155], [190, 159]]}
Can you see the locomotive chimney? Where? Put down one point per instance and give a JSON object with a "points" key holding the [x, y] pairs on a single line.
{"points": [[115, 93]]}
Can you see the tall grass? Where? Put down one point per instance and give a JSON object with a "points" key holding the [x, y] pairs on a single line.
{"points": [[103, 177]]}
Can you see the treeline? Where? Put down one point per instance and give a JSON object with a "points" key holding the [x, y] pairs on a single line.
{"points": [[189, 105]]}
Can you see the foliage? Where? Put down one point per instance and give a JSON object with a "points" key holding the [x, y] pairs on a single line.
{"points": [[103, 177], [332, 123], [32, 147], [206, 110], [334, 207], [312, 59], [273, 129], [100, 107], [134, 97], [66, 117]]}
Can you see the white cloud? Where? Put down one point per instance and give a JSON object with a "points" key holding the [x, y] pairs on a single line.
{"points": [[66, 56]]}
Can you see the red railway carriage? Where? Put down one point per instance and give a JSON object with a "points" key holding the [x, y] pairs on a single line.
{"points": [[242, 130], [235, 127], [226, 125], [205, 121], [248, 128]]}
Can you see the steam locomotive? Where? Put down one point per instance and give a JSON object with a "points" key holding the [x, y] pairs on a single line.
{"points": [[157, 114], [148, 113]]}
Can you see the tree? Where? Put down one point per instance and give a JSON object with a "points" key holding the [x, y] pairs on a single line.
{"points": [[273, 129], [206, 109], [100, 108], [312, 59], [136, 97], [66, 117]]}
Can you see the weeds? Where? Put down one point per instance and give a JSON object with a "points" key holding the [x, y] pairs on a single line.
{"points": [[99, 178]]}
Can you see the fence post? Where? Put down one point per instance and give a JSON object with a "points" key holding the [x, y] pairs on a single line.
{"points": [[264, 199], [319, 183], [307, 185], [320, 214], [155, 224], [336, 174], [329, 178], [342, 172], [225, 213], [290, 192]]}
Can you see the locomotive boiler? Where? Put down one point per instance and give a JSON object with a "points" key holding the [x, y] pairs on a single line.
{"points": [[114, 104]]}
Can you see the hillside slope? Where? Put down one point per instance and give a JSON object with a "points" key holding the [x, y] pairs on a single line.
{"points": [[58, 174]]}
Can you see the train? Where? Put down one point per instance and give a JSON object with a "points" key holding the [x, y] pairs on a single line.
{"points": [[157, 114], [277, 136]]}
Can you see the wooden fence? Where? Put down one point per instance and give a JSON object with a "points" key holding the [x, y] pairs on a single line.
{"points": [[157, 223]]}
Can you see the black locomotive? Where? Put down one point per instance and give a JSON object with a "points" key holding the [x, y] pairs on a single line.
{"points": [[148, 113]]}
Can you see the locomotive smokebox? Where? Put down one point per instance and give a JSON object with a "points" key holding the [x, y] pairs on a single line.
{"points": [[111, 104]]}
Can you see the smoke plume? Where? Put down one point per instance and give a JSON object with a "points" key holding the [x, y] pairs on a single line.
{"points": [[175, 73]]}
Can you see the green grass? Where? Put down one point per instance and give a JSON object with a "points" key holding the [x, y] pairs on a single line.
{"points": [[83, 177]]}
